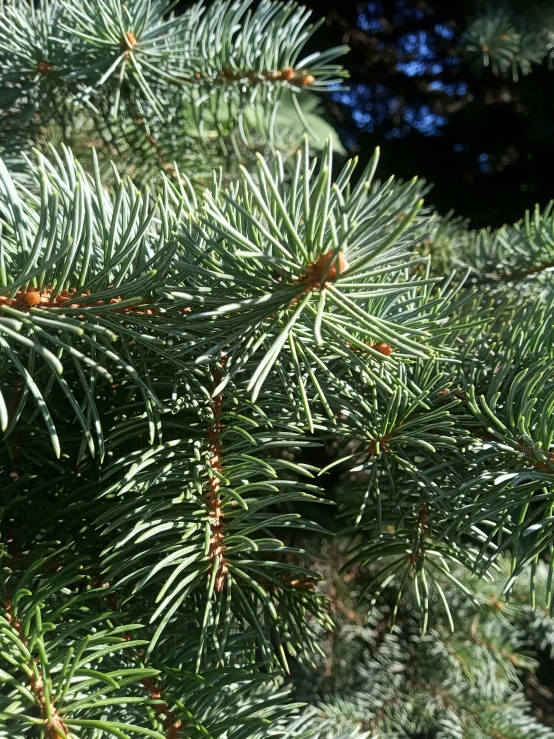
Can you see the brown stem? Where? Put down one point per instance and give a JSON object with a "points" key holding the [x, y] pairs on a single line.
{"points": [[531, 458], [227, 75], [171, 724], [23, 300], [533, 270], [217, 547], [519, 276]]}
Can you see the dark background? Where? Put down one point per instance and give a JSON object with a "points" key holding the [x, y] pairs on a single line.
{"points": [[487, 144]]}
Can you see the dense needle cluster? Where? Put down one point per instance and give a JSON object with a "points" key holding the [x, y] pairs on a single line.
{"points": [[254, 419]]}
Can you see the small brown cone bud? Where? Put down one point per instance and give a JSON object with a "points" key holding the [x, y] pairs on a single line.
{"points": [[129, 41], [322, 271], [383, 349], [287, 74], [32, 298], [306, 80]]}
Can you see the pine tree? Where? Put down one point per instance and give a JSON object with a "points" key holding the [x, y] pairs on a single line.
{"points": [[219, 352]]}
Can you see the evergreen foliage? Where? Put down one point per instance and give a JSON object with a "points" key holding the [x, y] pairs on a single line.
{"points": [[204, 378], [474, 682], [511, 38], [151, 87]]}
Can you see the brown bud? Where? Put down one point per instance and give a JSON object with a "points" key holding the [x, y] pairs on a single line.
{"points": [[324, 272], [32, 298], [129, 41], [384, 349]]}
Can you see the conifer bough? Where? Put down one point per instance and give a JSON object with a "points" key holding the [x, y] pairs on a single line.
{"points": [[201, 380]]}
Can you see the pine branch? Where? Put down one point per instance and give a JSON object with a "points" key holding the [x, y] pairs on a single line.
{"points": [[203, 71]]}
